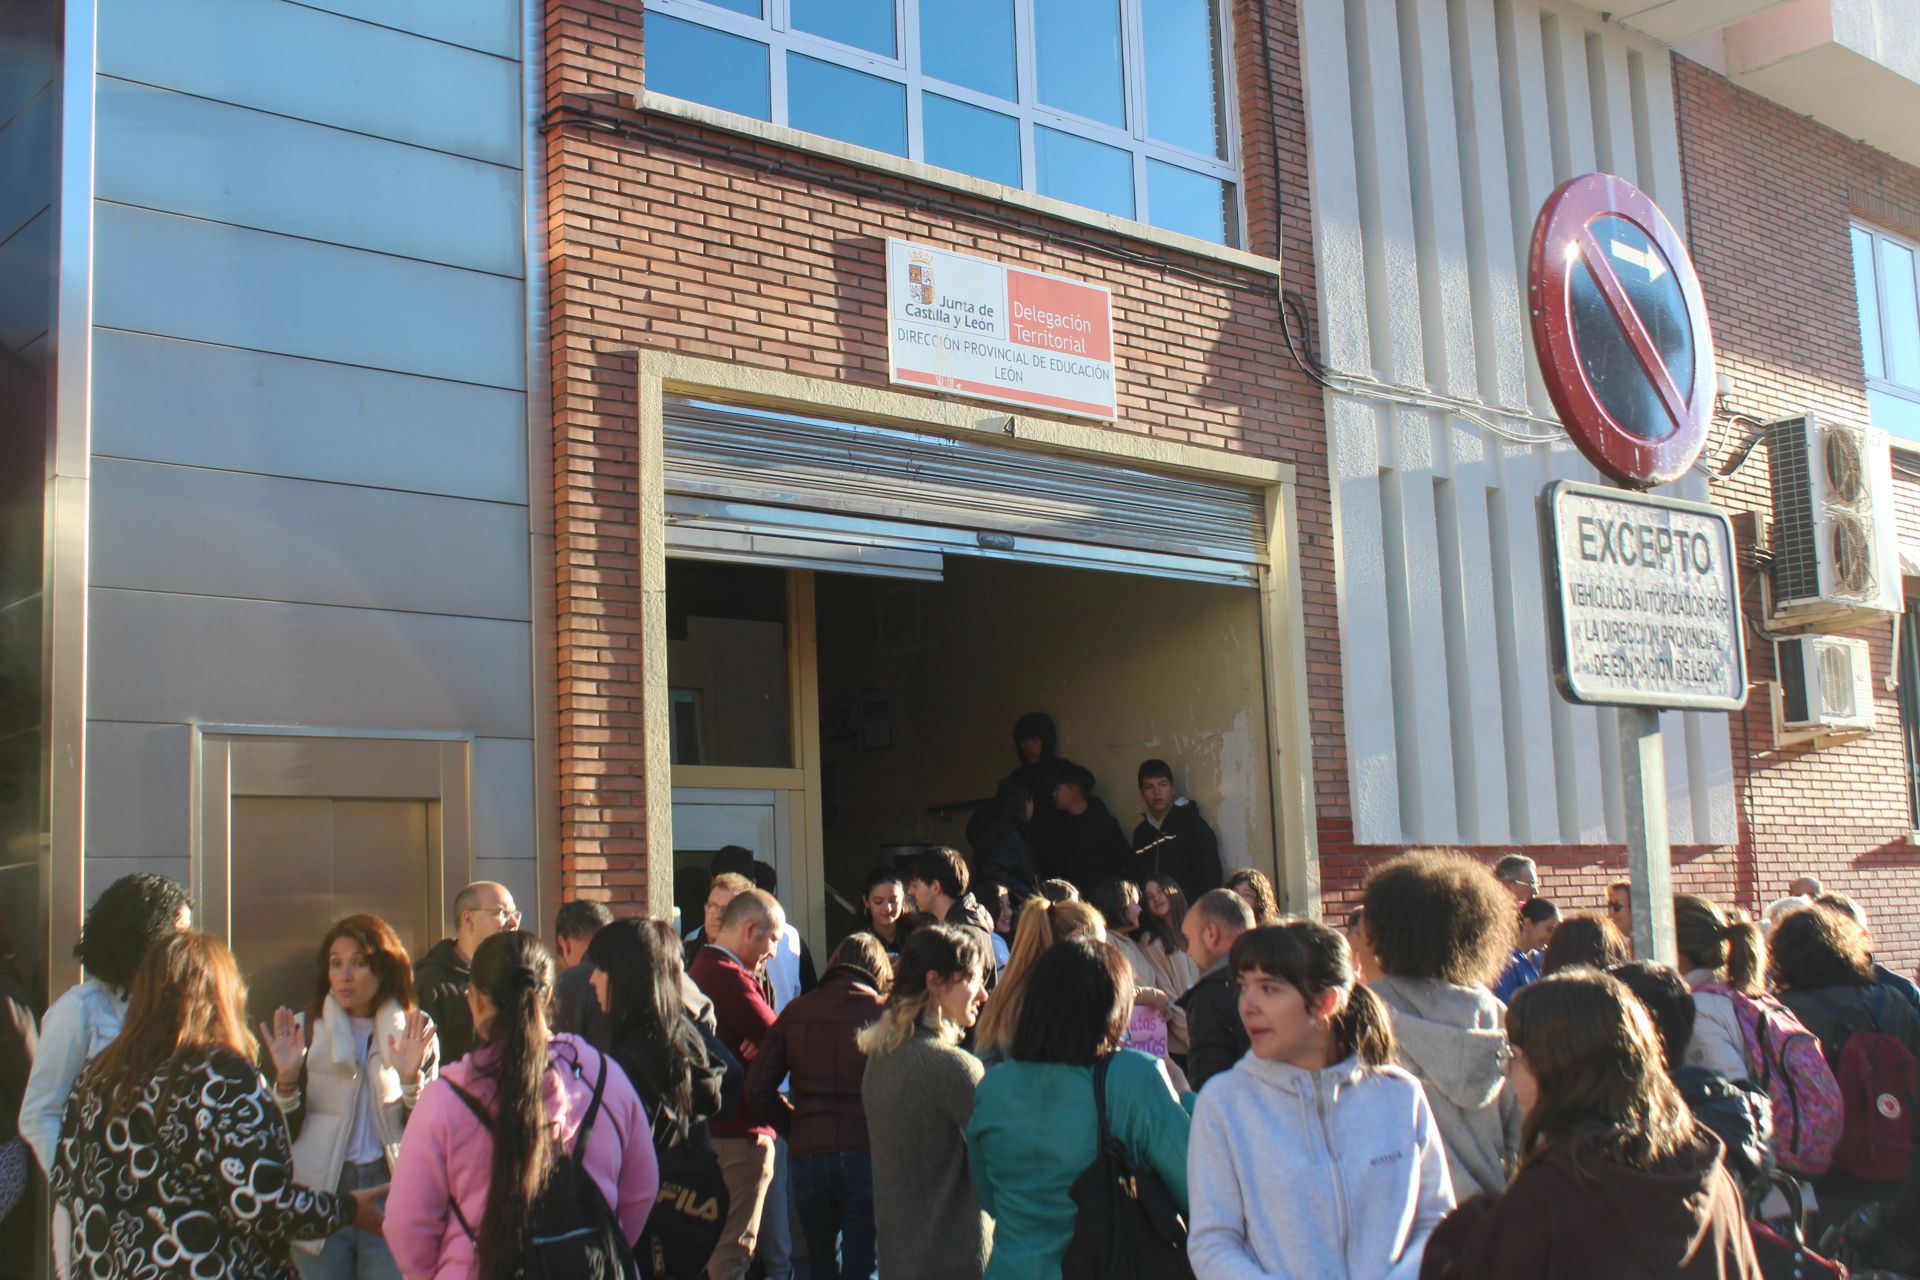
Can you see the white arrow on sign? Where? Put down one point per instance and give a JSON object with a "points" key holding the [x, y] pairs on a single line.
{"points": [[1648, 259]]}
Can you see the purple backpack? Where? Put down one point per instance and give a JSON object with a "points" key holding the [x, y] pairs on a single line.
{"points": [[1787, 1062]]}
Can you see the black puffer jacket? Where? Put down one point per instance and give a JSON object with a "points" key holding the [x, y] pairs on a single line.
{"points": [[440, 985], [1090, 847]]}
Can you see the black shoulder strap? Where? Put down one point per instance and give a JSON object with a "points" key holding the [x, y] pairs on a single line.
{"points": [[473, 1104], [1100, 1098], [586, 1122]]}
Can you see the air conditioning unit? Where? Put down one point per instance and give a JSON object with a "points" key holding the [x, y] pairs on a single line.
{"points": [[1826, 683], [1836, 560]]}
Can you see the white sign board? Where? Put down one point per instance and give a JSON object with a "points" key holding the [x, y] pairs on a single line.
{"points": [[997, 332], [1646, 600]]}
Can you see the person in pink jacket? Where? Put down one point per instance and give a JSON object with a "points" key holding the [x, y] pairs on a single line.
{"points": [[536, 1088]]}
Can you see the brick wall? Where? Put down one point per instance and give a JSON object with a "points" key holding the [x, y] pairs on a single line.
{"points": [[1770, 199], [706, 243]]}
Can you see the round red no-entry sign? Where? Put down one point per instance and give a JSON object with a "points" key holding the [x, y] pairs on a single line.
{"points": [[1620, 327]]}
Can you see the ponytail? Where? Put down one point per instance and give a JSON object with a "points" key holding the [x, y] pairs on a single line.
{"points": [[1746, 954], [515, 972], [1042, 923], [1312, 958], [1363, 1029], [1713, 939]]}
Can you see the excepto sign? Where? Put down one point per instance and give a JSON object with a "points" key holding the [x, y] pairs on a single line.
{"points": [[1620, 329], [997, 332], [1646, 600]]}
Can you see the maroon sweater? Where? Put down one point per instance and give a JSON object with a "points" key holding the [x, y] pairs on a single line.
{"points": [[1568, 1218], [744, 1018]]}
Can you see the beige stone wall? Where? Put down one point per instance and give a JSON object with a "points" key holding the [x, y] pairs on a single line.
{"points": [[1129, 668]]}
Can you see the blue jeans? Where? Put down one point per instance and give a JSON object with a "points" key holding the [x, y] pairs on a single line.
{"points": [[834, 1196], [352, 1254]]}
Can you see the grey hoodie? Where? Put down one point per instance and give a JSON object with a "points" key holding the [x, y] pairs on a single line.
{"points": [[1313, 1174], [1453, 1039]]}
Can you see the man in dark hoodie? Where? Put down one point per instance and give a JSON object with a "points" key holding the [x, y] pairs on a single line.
{"points": [[480, 910], [1035, 742], [1172, 838], [1088, 845]]}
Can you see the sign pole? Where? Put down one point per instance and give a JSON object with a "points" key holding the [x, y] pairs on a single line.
{"points": [[1643, 774], [1647, 591]]}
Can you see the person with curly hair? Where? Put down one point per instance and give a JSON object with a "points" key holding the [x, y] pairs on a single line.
{"points": [[128, 917], [1440, 927], [1821, 963], [1258, 892]]}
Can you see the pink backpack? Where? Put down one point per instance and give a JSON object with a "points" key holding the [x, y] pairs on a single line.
{"points": [[1787, 1062]]}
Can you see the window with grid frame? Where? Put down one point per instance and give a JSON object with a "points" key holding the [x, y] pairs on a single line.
{"points": [[1886, 283], [1124, 106]]}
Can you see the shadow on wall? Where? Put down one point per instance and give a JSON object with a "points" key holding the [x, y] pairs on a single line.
{"points": [[921, 683]]}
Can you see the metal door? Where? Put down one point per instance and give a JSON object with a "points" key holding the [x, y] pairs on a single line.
{"points": [[705, 819], [301, 863]]}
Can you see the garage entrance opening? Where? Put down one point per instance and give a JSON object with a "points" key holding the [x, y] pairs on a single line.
{"points": [[857, 614], [921, 684]]}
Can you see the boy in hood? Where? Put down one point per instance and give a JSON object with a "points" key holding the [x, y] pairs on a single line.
{"points": [[1172, 838], [1088, 845], [1035, 744], [1441, 927]]}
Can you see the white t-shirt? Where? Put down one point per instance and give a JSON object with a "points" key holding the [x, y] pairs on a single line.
{"points": [[363, 1138]]}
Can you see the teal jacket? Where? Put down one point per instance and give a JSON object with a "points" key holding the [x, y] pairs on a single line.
{"points": [[1033, 1132]]}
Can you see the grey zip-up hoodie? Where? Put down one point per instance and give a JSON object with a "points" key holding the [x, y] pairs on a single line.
{"points": [[1313, 1174], [1453, 1040]]}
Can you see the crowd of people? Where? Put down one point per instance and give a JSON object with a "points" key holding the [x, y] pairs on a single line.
{"points": [[1460, 1084]]}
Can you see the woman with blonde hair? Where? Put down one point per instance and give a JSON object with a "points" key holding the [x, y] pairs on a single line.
{"points": [[918, 1092], [1042, 924], [348, 1079], [171, 1152]]}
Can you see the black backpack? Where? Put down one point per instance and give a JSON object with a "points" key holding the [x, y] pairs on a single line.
{"points": [[572, 1233], [1128, 1226], [685, 1226]]}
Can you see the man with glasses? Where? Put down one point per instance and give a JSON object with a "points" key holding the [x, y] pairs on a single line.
{"points": [[440, 978], [1520, 875]]}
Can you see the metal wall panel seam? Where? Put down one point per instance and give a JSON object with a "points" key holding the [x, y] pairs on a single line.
{"points": [[182, 659], [501, 43], [349, 246], [194, 531], [321, 67], [195, 403], [184, 277], [28, 143], [192, 156]]}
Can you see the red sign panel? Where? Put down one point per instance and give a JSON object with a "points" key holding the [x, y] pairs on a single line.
{"points": [[1620, 327]]}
